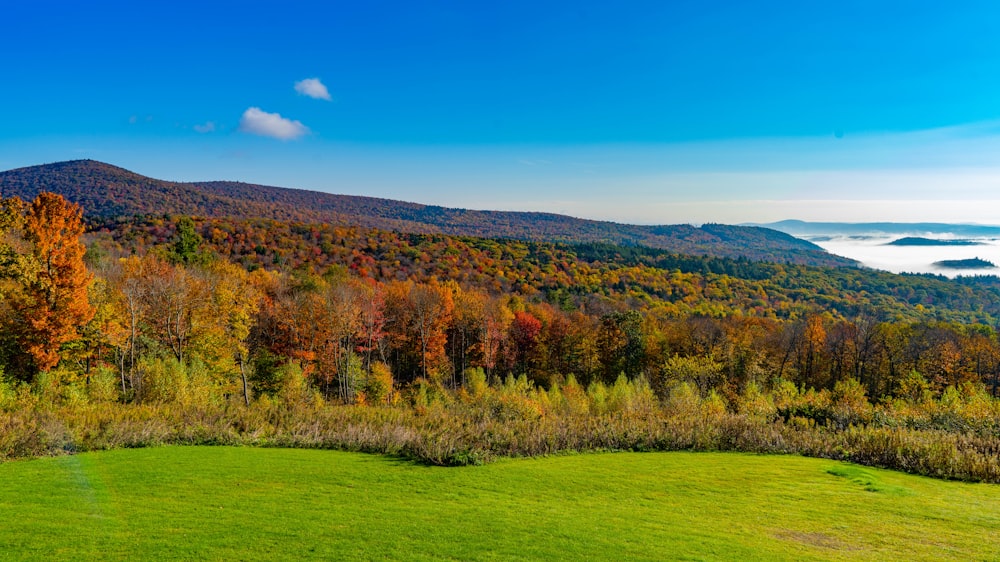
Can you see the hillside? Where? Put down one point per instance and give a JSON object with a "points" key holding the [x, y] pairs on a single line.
{"points": [[107, 192]]}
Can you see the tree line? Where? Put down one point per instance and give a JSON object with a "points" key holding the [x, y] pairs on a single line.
{"points": [[360, 339]]}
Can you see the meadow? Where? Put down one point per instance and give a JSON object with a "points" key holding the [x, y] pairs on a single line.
{"points": [[270, 503]]}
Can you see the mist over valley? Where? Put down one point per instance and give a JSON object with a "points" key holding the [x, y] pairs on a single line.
{"points": [[905, 247]]}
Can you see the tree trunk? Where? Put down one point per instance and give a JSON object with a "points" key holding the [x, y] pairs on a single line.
{"points": [[243, 375]]}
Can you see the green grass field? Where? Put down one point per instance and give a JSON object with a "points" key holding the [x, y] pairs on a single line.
{"points": [[246, 503]]}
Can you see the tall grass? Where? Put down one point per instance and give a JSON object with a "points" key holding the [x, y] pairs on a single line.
{"points": [[953, 437]]}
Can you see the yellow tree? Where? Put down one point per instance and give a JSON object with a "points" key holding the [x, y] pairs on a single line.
{"points": [[176, 300], [372, 320], [11, 218], [813, 344], [396, 322], [12, 261], [106, 331], [431, 307], [52, 303], [235, 300], [469, 314], [496, 321], [130, 297]]}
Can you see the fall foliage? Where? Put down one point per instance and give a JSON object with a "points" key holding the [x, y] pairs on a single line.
{"points": [[347, 307], [458, 349], [52, 302]]}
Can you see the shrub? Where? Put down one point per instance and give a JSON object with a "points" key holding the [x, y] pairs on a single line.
{"points": [[683, 401], [104, 386], [703, 372], [378, 386], [756, 404], [713, 406], [160, 380], [475, 382], [516, 419], [598, 395], [849, 405], [575, 399]]}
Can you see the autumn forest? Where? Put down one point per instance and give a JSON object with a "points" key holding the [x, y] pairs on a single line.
{"points": [[455, 349]]}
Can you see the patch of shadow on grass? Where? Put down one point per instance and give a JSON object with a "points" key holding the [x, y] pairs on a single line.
{"points": [[820, 540], [868, 480], [396, 459]]}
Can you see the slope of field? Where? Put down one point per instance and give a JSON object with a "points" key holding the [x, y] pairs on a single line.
{"points": [[108, 192], [242, 503]]}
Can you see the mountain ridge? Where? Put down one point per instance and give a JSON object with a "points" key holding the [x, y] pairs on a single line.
{"points": [[808, 228], [107, 192]]}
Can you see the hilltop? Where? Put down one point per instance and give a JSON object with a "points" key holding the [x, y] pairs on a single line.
{"points": [[971, 263], [920, 241], [108, 192]]}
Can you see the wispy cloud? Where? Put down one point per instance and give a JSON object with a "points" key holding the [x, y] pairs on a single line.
{"points": [[208, 127], [313, 88], [258, 122]]}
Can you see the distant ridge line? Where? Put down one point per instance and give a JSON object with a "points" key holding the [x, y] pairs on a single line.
{"points": [[806, 228], [107, 193]]}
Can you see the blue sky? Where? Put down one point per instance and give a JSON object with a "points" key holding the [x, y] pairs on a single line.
{"points": [[653, 112]]}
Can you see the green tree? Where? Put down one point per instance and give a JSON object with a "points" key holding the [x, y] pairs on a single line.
{"points": [[186, 248]]}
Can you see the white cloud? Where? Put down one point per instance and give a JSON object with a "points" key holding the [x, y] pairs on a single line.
{"points": [[313, 88], [208, 127], [258, 122]]}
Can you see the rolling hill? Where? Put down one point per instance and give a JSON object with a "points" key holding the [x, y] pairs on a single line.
{"points": [[108, 192]]}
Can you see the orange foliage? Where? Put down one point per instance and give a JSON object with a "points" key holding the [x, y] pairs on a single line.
{"points": [[53, 302]]}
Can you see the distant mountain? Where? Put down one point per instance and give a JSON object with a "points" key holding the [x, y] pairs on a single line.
{"points": [[921, 241], [971, 263], [811, 229], [109, 193]]}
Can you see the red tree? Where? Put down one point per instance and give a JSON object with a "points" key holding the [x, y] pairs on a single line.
{"points": [[524, 330]]}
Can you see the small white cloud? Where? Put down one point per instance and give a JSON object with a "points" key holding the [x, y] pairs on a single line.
{"points": [[258, 122], [313, 88], [208, 127]]}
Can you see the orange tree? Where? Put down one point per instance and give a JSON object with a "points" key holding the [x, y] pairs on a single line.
{"points": [[51, 303]]}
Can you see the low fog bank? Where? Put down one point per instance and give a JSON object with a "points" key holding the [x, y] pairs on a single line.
{"points": [[875, 250]]}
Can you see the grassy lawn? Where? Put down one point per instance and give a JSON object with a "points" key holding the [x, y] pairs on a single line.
{"points": [[245, 503]]}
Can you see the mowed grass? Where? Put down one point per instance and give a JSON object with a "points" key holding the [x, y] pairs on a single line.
{"points": [[247, 503]]}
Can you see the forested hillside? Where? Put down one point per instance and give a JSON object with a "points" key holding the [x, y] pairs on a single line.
{"points": [[457, 349], [595, 276], [107, 192]]}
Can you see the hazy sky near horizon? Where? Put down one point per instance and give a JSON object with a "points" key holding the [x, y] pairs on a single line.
{"points": [[650, 112]]}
